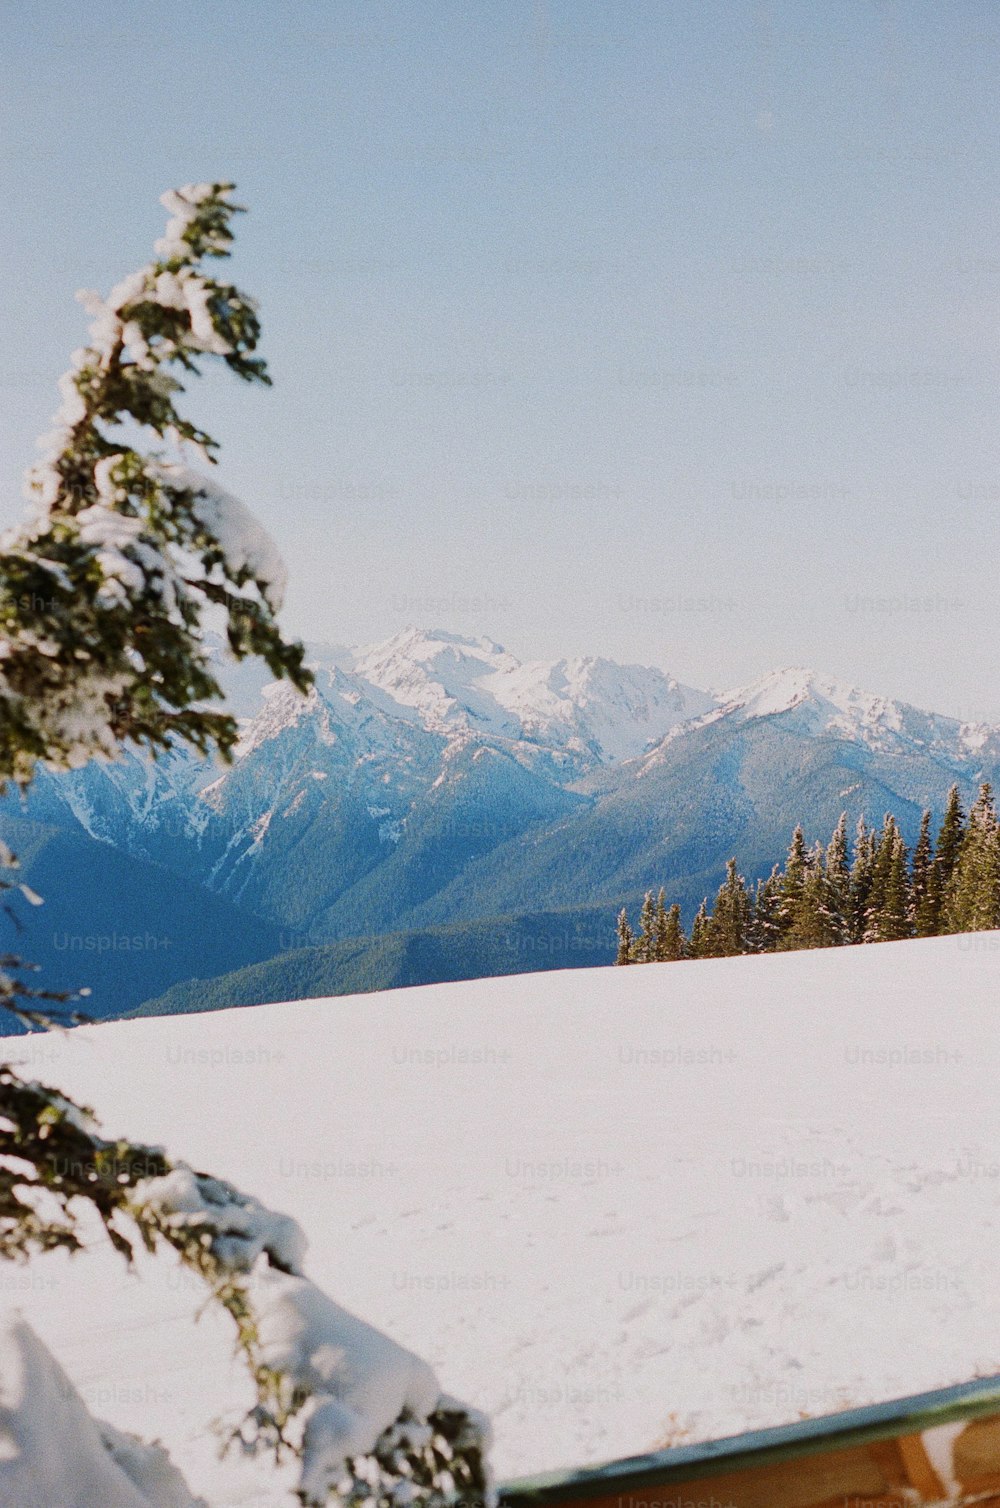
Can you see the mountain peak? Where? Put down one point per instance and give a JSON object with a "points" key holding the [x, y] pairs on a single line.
{"points": [[589, 708], [783, 690], [818, 704], [439, 675], [425, 643]]}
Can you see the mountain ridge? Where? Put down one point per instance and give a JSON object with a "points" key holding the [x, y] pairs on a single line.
{"points": [[458, 784]]}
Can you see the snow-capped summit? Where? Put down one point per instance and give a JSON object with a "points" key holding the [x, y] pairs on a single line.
{"points": [[280, 706], [590, 707], [828, 699], [440, 677], [818, 704], [428, 644], [596, 706]]}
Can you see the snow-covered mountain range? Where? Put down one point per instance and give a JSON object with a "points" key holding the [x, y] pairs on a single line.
{"points": [[435, 781]]}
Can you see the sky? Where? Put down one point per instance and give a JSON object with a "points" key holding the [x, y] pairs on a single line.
{"points": [[665, 330]]}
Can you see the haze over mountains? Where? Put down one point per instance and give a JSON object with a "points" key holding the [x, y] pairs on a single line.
{"points": [[477, 814]]}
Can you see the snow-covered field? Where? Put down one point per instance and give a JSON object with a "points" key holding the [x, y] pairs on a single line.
{"points": [[614, 1208]]}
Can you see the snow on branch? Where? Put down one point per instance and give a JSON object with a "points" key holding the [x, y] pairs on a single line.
{"points": [[365, 1417], [105, 588], [246, 550]]}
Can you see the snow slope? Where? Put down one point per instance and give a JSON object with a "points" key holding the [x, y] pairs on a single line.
{"points": [[614, 1208]]}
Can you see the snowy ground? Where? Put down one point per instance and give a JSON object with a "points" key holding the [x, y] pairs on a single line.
{"points": [[615, 1208]]}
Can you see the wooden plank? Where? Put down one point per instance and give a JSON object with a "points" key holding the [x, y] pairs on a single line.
{"points": [[977, 1456], [920, 1471], [872, 1455], [867, 1474]]}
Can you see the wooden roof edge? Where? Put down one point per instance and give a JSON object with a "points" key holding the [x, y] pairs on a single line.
{"points": [[878, 1421]]}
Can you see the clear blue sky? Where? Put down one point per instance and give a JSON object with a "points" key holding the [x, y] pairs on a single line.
{"points": [[661, 329]]}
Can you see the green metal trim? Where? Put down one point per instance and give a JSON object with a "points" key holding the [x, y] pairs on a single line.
{"points": [[686, 1463]]}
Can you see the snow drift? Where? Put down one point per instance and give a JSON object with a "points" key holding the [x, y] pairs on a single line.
{"points": [[53, 1452]]}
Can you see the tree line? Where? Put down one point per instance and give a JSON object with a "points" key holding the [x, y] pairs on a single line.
{"points": [[874, 890]]}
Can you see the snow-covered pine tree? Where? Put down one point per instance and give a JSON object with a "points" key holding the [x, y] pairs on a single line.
{"points": [[105, 593], [106, 588], [881, 860], [765, 927], [425, 1449], [645, 942], [928, 919], [811, 926], [107, 585], [887, 915], [793, 881], [837, 891]]}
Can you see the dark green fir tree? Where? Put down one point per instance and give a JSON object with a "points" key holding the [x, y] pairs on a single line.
{"points": [[701, 928], [793, 882], [972, 899], [674, 941], [922, 900], [625, 939], [862, 875], [765, 929], [660, 927], [729, 932], [949, 842], [645, 942], [837, 890]]}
